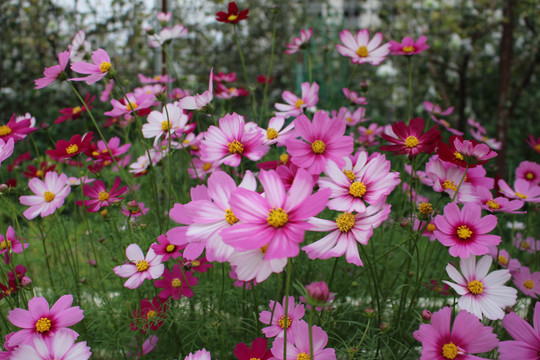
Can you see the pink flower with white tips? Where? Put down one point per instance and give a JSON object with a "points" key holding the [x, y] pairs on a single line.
{"points": [[141, 267], [54, 72], [49, 195], [251, 265], [482, 293], [351, 119], [6, 149], [353, 97], [132, 104], [166, 35], [198, 102], [299, 42], [295, 106], [276, 133], [61, 347], [446, 177], [229, 142], [362, 50], [171, 120], [97, 71]]}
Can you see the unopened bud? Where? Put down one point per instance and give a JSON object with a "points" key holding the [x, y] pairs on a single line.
{"points": [[384, 326], [426, 315]]}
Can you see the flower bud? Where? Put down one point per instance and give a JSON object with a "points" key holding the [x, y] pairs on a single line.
{"points": [[26, 281], [318, 293], [426, 315]]}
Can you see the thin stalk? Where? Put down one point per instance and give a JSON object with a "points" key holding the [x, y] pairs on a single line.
{"points": [[269, 72], [409, 107], [286, 318], [251, 93]]}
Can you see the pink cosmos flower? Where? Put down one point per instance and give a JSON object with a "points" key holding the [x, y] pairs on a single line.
{"points": [[491, 142], [276, 320], [523, 190], [227, 93], [161, 79], [278, 218], [534, 143], [351, 119], [481, 293], [408, 46], [225, 77], [134, 103], [353, 97], [134, 209], [529, 171], [198, 102], [10, 244], [6, 149], [504, 259], [529, 244], [167, 247], [140, 167], [55, 72], [299, 347], [97, 71], [409, 139], [99, 195], [258, 350], [295, 106], [229, 142], [498, 204], [252, 265], [167, 34], [346, 231], [199, 355], [41, 322], [446, 177], [368, 181], [49, 195], [276, 133], [16, 129], [171, 120], [526, 343], [434, 109], [61, 346], [368, 134], [141, 267], [465, 231], [114, 146], [321, 141], [360, 49], [442, 341], [176, 283], [164, 17], [299, 42], [527, 282]]}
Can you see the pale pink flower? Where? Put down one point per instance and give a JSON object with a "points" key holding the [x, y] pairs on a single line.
{"points": [[61, 346], [526, 343], [97, 71], [351, 119], [360, 49], [504, 260], [199, 355], [79, 47], [162, 79], [353, 97], [529, 244], [368, 134], [491, 142], [276, 133], [299, 42], [482, 294], [49, 195], [527, 282], [6, 149], [278, 322], [166, 35], [164, 17], [198, 102], [498, 204], [55, 72], [141, 267], [436, 110], [171, 120], [523, 190], [408, 46], [133, 103], [298, 347], [252, 265], [295, 105], [140, 167]]}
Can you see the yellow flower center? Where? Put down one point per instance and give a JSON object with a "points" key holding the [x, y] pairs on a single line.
{"points": [[369, 132], [521, 196], [537, 147], [104, 67], [284, 158], [349, 174], [475, 287], [263, 249], [5, 130], [229, 216], [231, 90], [525, 245], [39, 173], [165, 125], [104, 212], [503, 260], [303, 356], [254, 358], [299, 103], [449, 184], [463, 232], [195, 263], [170, 248], [271, 133], [445, 123], [345, 221], [95, 153], [76, 110], [132, 106], [318, 147], [6, 244], [349, 119], [207, 166], [431, 227], [281, 322], [176, 283], [529, 284], [142, 265], [493, 205], [157, 77], [48, 196], [425, 208], [362, 51], [449, 351], [232, 17], [103, 195], [411, 141], [357, 189], [72, 149], [458, 156], [150, 314], [529, 176], [236, 147], [43, 325], [408, 49], [277, 218]]}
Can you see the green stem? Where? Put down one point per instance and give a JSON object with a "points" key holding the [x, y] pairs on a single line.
{"points": [[269, 72], [409, 59], [286, 318], [251, 93], [310, 333], [460, 182]]}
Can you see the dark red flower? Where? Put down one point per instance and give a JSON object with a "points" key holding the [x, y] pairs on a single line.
{"points": [[233, 15], [150, 315], [261, 79], [66, 149], [40, 172], [410, 140], [21, 158], [74, 112], [258, 350], [199, 265]]}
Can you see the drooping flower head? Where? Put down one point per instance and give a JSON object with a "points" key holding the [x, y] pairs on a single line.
{"points": [[410, 140], [55, 72], [361, 49], [299, 42], [49, 195], [233, 14], [73, 113], [408, 46], [199, 102]]}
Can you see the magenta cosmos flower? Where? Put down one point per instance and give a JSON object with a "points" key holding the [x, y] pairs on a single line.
{"points": [[529, 171], [279, 219], [294, 105], [258, 350], [353, 97], [278, 322], [97, 71], [10, 244], [130, 104], [40, 321], [16, 129], [526, 343], [321, 140], [408, 46], [231, 141], [465, 231], [481, 293], [176, 283], [446, 177], [527, 282], [299, 42], [55, 72], [410, 140], [360, 49], [99, 195], [141, 267], [49, 195], [299, 346], [442, 341], [61, 347]]}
